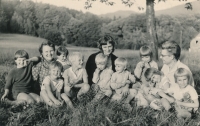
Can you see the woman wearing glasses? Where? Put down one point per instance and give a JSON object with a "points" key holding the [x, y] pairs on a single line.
{"points": [[170, 55]]}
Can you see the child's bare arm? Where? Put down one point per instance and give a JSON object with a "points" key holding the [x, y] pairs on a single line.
{"points": [[138, 69], [95, 78], [163, 95], [5, 94], [85, 77], [34, 59], [50, 94], [58, 95], [193, 105]]}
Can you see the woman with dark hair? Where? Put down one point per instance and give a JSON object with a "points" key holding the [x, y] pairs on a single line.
{"points": [[39, 71], [170, 55], [106, 45]]}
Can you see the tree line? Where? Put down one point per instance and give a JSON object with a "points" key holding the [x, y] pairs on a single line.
{"points": [[67, 26]]}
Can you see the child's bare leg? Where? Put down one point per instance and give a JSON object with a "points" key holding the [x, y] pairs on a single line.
{"points": [[182, 113], [67, 100], [116, 97], [35, 97], [131, 95], [84, 89], [165, 103], [45, 97], [16, 102], [98, 97], [26, 97], [68, 91]]}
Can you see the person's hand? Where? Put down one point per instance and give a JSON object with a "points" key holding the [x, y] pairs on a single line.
{"points": [[125, 91], [146, 65], [97, 70], [3, 97], [141, 64]]}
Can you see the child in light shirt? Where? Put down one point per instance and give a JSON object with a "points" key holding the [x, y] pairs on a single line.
{"points": [[178, 94], [75, 78], [62, 54], [52, 85], [101, 77], [121, 80], [146, 62]]}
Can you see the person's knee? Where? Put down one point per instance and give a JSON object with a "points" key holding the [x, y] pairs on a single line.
{"points": [[30, 101], [165, 103], [67, 89], [133, 92], [86, 87], [109, 93]]}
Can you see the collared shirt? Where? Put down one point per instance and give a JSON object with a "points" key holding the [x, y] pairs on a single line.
{"points": [[69, 75], [169, 73]]}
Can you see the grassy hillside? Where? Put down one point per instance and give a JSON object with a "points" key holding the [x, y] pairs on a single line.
{"points": [[85, 114]]}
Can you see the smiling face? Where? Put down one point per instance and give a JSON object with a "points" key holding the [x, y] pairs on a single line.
{"points": [[182, 81], [166, 57], [21, 62], [62, 57], [47, 52], [107, 49], [78, 62], [55, 72], [155, 79]]}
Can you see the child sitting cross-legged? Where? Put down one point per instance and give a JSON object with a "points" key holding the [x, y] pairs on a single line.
{"points": [[52, 85], [182, 95], [75, 78], [20, 81], [120, 82], [101, 77]]}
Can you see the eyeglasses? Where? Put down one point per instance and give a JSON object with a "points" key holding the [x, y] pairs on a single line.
{"points": [[164, 55]]}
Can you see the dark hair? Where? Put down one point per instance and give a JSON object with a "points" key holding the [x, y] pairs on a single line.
{"points": [[61, 50], [104, 40], [173, 48], [44, 44], [21, 54], [146, 51], [149, 73]]}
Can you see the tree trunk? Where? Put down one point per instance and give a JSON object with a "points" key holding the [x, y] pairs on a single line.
{"points": [[151, 28]]}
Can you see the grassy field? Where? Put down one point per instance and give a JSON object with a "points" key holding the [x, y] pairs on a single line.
{"points": [[84, 114]]}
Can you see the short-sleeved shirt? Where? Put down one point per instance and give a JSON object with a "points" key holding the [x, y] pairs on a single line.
{"points": [[20, 79], [54, 85], [40, 71], [163, 81], [120, 78], [170, 73], [106, 74], [70, 75], [179, 93]]}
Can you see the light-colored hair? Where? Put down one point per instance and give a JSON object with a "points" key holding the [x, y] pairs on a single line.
{"points": [[57, 64], [173, 48], [21, 54], [180, 72], [121, 61], [101, 58], [146, 51], [74, 55]]}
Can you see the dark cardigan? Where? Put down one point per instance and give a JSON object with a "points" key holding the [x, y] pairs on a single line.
{"points": [[91, 65]]}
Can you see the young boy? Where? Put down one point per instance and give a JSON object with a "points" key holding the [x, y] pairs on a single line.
{"points": [[62, 54], [121, 80], [75, 78], [179, 92], [52, 85], [101, 77], [146, 62], [20, 79]]}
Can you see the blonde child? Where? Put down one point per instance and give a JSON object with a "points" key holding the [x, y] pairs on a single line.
{"points": [[146, 62], [75, 77], [101, 77], [179, 92], [121, 80], [52, 85], [62, 54], [20, 80]]}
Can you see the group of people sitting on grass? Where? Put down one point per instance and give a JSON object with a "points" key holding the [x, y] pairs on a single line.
{"points": [[52, 81]]}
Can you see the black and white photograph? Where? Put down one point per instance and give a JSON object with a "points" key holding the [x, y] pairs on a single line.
{"points": [[99, 62]]}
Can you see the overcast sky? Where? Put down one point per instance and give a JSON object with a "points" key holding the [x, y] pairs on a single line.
{"points": [[99, 8]]}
